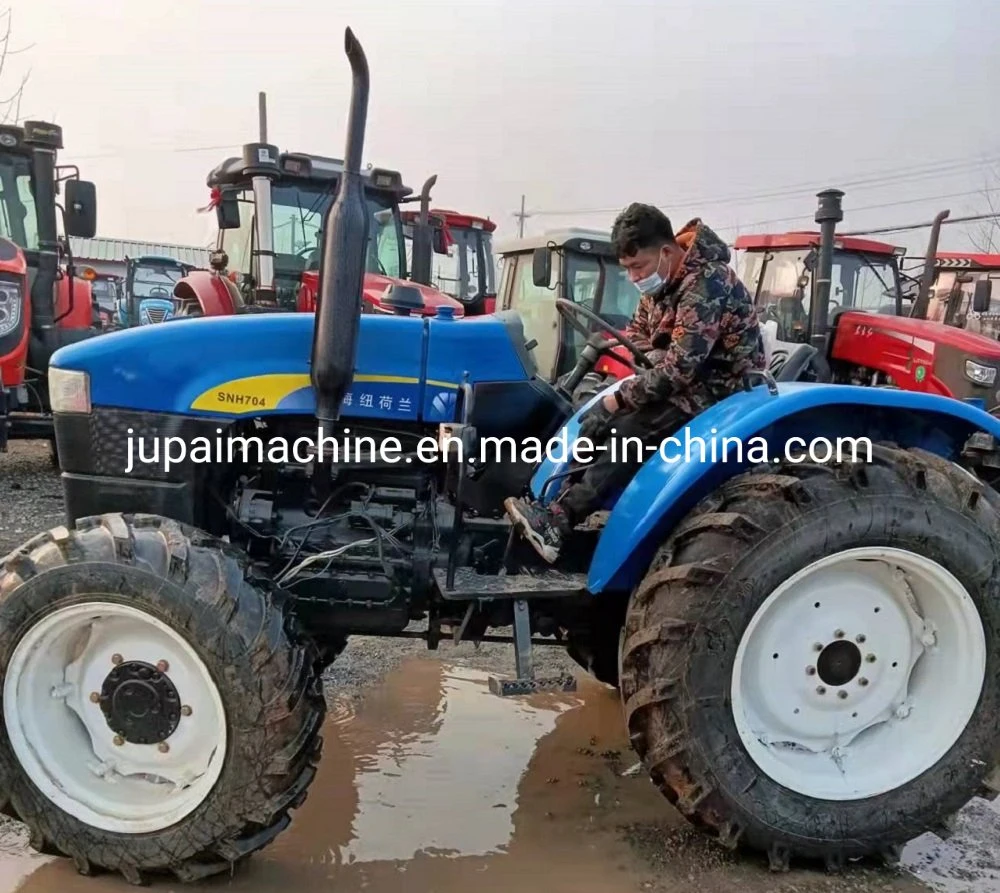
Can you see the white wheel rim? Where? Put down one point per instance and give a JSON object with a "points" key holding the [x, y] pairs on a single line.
{"points": [[64, 741], [816, 727]]}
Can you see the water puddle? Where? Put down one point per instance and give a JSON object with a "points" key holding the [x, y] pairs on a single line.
{"points": [[969, 861], [435, 784]]}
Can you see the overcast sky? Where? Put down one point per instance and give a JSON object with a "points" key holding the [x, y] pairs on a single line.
{"points": [[732, 110]]}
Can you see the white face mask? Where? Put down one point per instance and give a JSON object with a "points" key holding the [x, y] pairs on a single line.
{"points": [[652, 283]]}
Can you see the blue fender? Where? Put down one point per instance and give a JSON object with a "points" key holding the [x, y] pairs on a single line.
{"points": [[738, 433]]}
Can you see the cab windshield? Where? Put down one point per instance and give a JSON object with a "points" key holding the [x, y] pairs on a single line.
{"points": [[150, 280], [18, 218], [601, 284], [466, 272], [859, 281], [297, 212]]}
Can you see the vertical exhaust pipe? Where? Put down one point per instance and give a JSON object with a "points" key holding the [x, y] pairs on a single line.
{"points": [[828, 215], [260, 161], [423, 243], [920, 305], [342, 264]]}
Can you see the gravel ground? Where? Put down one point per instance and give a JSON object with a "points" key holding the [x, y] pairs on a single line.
{"points": [[30, 494]]}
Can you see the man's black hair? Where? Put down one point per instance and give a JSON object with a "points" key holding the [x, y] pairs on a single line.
{"points": [[640, 226]]}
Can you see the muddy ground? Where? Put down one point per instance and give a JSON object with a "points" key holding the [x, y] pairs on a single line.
{"points": [[430, 783]]}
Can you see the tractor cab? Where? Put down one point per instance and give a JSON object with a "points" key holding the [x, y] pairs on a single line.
{"points": [[953, 287], [778, 270], [43, 303], [833, 309], [573, 265], [270, 208], [462, 264], [147, 296]]}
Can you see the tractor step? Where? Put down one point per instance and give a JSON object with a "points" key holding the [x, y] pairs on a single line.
{"points": [[509, 688], [468, 584], [526, 683]]}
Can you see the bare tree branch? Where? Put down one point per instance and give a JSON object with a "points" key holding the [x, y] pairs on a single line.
{"points": [[985, 236]]}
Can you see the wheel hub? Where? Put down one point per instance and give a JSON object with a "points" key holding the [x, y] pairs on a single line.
{"points": [[140, 703], [839, 663]]}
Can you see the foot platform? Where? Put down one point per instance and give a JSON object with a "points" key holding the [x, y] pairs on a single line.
{"points": [[526, 683], [509, 688], [467, 584]]}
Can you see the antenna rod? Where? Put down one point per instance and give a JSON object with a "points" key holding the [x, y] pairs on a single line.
{"points": [[262, 107]]}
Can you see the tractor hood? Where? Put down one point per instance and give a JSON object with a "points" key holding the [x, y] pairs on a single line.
{"points": [[923, 331], [374, 287]]}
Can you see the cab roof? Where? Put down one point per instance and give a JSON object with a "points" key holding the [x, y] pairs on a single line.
{"points": [[950, 260], [591, 241], [310, 168], [810, 239]]}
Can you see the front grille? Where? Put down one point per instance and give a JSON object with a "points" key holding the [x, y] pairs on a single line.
{"points": [[156, 315]]}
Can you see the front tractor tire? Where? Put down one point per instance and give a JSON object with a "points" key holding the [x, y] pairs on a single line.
{"points": [[810, 667], [161, 713]]}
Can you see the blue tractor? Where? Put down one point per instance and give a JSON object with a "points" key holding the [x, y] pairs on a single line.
{"points": [[147, 296], [805, 643]]}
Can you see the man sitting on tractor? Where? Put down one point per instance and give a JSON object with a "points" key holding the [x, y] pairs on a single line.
{"points": [[698, 328]]}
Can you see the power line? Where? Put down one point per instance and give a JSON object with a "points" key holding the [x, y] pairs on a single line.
{"points": [[875, 207], [912, 226], [145, 150], [875, 178]]}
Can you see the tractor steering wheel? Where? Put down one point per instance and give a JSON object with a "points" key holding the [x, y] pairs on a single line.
{"points": [[567, 308]]}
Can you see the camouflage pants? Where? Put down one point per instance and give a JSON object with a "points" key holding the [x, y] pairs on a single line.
{"points": [[610, 470]]}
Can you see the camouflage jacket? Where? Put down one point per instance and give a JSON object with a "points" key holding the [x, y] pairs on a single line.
{"points": [[700, 330]]}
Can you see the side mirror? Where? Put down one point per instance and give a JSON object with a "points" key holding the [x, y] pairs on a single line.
{"points": [[809, 261], [80, 219], [981, 295], [227, 211], [541, 267], [440, 243]]}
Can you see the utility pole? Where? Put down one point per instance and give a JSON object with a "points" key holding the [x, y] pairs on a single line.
{"points": [[521, 218]]}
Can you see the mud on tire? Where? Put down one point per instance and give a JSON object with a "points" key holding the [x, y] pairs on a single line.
{"points": [[265, 673], [688, 703]]}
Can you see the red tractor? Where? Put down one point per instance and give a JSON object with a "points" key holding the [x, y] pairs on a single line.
{"points": [[461, 260], [270, 207], [43, 304], [954, 281], [833, 310]]}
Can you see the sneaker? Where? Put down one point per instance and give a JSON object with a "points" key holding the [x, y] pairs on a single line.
{"points": [[544, 528]]}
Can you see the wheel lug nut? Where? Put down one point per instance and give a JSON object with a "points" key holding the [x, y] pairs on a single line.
{"points": [[861, 638], [820, 690], [862, 682], [163, 747], [818, 646], [116, 659], [810, 671], [839, 634], [185, 710], [842, 695], [870, 658], [94, 697], [118, 740], [162, 666]]}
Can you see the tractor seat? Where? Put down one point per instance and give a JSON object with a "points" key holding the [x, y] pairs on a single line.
{"points": [[796, 363]]}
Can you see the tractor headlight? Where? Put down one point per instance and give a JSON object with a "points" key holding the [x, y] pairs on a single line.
{"points": [[69, 390], [11, 301], [984, 375]]}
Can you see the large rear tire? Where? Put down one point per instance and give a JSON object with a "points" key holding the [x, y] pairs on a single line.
{"points": [[810, 667], [161, 711]]}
